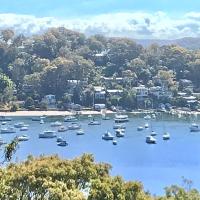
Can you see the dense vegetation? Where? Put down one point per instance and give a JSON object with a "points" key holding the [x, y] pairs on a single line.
{"points": [[46, 62], [79, 179]]}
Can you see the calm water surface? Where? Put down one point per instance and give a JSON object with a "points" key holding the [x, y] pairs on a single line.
{"points": [[156, 165]]}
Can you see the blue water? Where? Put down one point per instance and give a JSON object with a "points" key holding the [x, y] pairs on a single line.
{"points": [[156, 166]]}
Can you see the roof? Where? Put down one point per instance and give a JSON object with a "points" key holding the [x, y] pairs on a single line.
{"points": [[114, 91], [98, 88]]}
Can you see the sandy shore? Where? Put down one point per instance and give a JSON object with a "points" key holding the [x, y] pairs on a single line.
{"points": [[47, 113], [86, 112]]}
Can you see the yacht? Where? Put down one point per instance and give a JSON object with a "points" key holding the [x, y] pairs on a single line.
{"points": [[62, 129], [121, 126], [74, 126], [20, 125], [70, 118], [47, 134], [57, 123], [150, 139], [166, 136], [153, 133], [94, 122], [147, 117], [194, 127], [120, 118], [62, 143], [80, 132], [3, 123], [119, 133], [24, 128], [140, 128], [5, 119], [107, 136], [8, 130], [23, 138], [114, 142]]}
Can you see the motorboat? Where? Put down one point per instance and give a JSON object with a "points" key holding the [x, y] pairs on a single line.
{"points": [[59, 139], [94, 122], [74, 126], [119, 133], [24, 128], [146, 125], [166, 136], [5, 119], [147, 117], [114, 142], [153, 133], [70, 118], [8, 130], [120, 126], [41, 121], [150, 139], [140, 128], [47, 134], [23, 138], [62, 143], [120, 118], [62, 129], [107, 136], [3, 123], [80, 132], [194, 127], [57, 123], [20, 125]]}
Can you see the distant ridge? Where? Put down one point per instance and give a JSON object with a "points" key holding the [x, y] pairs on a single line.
{"points": [[187, 42]]}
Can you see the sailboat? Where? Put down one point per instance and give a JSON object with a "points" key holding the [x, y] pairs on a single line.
{"points": [[103, 114]]}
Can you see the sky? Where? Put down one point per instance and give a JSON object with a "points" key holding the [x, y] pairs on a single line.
{"points": [[139, 19]]}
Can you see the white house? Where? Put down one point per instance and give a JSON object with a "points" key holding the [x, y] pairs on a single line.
{"points": [[49, 99]]}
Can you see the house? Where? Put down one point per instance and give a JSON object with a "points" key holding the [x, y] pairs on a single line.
{"points": [[159, 92], [50, 101], [185, 84], [141, 95], [99, 94]]}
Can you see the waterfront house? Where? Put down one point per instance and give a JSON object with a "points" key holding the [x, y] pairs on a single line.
{"points": [[141, 95], [50, 101], [99, 95]]}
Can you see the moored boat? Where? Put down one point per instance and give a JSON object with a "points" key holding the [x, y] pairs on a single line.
{"points": [[7, 130], [94, 122], [107, 136], [150, 139], [74, 126], [62, 143], [194, 127], [80, 132], [23, 138], [57, 123], [153, 133], [166, 136], [140, 128], [20, 125], [70, 118], [62, 129], [121, 118], [114, 142], [47, 134], [24, 128], [120, 126], [119, 133]]}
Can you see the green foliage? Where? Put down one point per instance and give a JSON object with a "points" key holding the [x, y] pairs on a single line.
{"points": [[14, 107]]}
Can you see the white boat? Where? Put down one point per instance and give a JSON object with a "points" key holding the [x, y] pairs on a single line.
{"points": [[153, 133], [62, 143], [62, 129], [47, 134], [114, 142], [20, 125], [3, 123], [24, 128], [150, 139], [59, 139], [41, 121], [57, 123], [8, 130], [80, 132], [120, 126], [166, 136], [147, 117], [146, 125], [140, 128], [74, 126], [107, 136], [70, 118], [194, 127], [119, 133], [94, 122], [120, 118], [23, 138]]}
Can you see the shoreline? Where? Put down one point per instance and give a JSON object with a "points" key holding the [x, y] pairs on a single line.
{"points": [[88, 112]]}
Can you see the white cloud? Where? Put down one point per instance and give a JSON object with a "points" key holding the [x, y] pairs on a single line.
{"points": [[139, 25]]}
